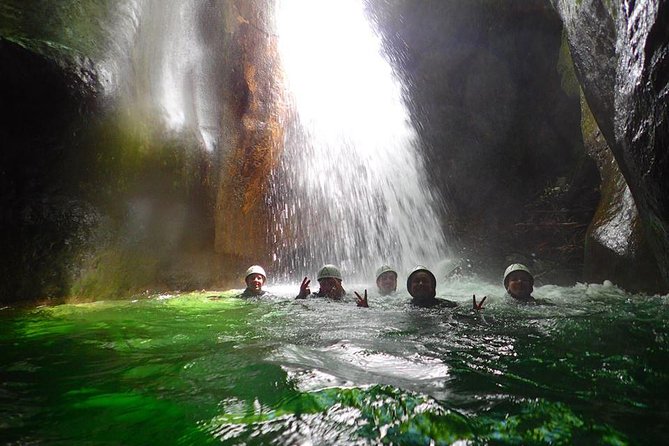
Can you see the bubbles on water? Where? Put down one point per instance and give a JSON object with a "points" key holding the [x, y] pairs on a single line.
{"points": [[287, 372], [346, 364]]}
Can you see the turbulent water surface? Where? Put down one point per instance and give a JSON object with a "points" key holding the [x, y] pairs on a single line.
{"points": [[187, 369]]}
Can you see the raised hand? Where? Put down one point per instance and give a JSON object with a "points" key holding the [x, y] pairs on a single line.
{"points": [[478, 306], [304, 289], [361, 301]]}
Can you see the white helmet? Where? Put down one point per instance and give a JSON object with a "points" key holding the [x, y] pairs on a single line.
{"points": [[418, 269], [385, 269], [513, 268], [256, 269], [329, 271]]}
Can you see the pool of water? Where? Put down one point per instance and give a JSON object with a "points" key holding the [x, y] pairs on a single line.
{"points": [[186, 369]]}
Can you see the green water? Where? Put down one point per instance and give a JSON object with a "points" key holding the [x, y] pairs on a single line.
{"points": [[185, 369]]}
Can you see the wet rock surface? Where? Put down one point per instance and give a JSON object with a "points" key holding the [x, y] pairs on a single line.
{"points": [[254, 133], [488, 92], [44, 213], [615, 245], [642, 116], [620, 53], [501, 133]]}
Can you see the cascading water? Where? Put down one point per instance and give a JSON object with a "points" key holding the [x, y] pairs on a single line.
{"points": [[163, 65], [189, 369], [351, 187]]}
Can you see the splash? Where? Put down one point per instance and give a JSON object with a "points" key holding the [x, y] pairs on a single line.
{"points": [[351, 188]]}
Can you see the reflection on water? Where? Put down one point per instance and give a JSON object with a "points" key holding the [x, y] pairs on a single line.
{"points": [[189, 370]]}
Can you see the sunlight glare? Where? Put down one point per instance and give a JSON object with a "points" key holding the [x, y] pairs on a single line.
{"points": [[335, 69]]}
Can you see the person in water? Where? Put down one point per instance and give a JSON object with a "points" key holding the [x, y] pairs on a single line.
{"points": [[519, 285], [422, 286], [329, 281], [386, 280], [255, 279]]}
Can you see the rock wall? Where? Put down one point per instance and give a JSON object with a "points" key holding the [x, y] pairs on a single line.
{"points": [[621, 59], [44, 219], [615, 247], [501, 131], [254, 131], [98, 203], [642, 116]]}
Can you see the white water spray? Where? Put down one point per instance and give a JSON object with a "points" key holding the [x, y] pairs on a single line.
{"points": [[169, 72], [351, 188]]}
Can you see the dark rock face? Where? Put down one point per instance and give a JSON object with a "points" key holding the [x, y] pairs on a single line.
{"points": [[642, 116], [591, 32], [615, 246], [93, 206], [502, 136], [620, 56], [43, 216]]}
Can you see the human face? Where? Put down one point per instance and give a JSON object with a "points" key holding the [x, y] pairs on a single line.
{"points": [[421, 286], [520, 285], [331, 287], [254, 282], [387, 282]]}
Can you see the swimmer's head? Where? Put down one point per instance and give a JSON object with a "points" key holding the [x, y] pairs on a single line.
{"points": [[329, 281], [255, 278], [518, 281], [421, 283], [386, 279]]}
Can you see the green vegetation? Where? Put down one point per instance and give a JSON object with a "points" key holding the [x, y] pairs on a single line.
{"points": [[64, 26]]}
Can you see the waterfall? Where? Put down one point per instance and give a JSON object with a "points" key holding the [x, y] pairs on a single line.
{"points": [[351, 188], [164, 66]]}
